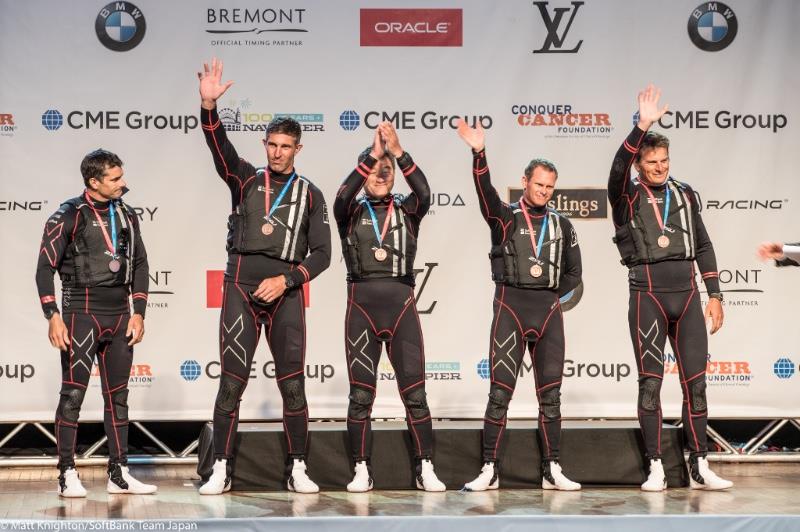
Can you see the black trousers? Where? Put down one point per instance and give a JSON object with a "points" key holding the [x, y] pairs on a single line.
{"points": [[523, 320], [240, 326], [384, 311], [102, 338], [653, 317]]}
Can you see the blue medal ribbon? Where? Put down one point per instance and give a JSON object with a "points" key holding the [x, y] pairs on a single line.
{"points": [[374, 218], [113, 227], [282, 193], [666, 206], [542, 231]]}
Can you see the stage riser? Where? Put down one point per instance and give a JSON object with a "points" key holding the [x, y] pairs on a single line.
{"points": [[598, 456]]}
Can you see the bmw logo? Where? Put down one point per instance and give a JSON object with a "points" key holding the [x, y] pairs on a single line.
{"points": [[120, 26], [712, 26]]}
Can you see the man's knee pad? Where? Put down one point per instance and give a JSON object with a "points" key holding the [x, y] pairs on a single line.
{"points": [[697, 395], [650, 394], [69, 405], [550, 402], [293, 393], [417, 403], [360, 403], [498, 402], [119, 402], [229, 393]]}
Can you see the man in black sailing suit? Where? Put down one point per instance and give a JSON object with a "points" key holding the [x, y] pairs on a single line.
{"points": [[535, 260], [379, 235], [95, 244], [660, 236], [278, 239]]}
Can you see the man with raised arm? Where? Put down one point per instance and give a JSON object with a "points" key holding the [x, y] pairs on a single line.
{"points": [[379, 241], [278, 239], [535, 260], [663, 242]]}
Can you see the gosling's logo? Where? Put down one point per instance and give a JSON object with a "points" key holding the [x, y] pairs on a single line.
{"points": [[120, 26]]}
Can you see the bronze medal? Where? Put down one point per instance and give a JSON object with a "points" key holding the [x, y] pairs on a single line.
{"points": [[267, 228], [114, 265], [663, 241], [536, 270], [380, 254]]}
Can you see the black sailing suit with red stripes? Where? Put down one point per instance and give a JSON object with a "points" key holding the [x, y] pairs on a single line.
{"points": [[242, 317], [96, 316], [664, 303], [525, 319], [381, 307]]}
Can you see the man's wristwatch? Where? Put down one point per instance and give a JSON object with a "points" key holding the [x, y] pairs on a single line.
{"points": [[49, 313], [717, 295], [289, 282]]}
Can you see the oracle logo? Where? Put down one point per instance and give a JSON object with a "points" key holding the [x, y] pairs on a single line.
{"points": [[419, 27], [411, 27]]}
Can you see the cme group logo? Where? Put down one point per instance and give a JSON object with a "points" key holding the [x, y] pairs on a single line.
{"points": [[484, 371], [120, 26], [349, 120], [783, 368], [52, 120], [190, 370], [712, 26]]}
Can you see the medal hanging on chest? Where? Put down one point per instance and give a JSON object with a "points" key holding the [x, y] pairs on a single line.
{"points": [[536, 270], [663, 240], [268, 228], [380, 253], [114, 264]]}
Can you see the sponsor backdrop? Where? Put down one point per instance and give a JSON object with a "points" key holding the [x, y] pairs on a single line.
{"points": [[546, 78]]}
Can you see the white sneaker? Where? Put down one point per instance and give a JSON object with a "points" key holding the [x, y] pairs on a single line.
{"points": [[69, 485], [121, 481], [298, 479], [219, 481], [487, 480], [554, 479], [362, 480], [427, 479], [702, 478], [656, 480]]}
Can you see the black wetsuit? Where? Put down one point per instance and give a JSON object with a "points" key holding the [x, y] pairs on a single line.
{"points": [[299, 247], [664, 300], [95, 307], [527, 312], [380, 302]]}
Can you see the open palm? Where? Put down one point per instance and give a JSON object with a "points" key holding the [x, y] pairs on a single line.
{"points": [[648, 106], [211, 85], [474, 137]]}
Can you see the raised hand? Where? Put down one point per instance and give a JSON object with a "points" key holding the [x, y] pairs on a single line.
{"points": [[648, 107], [474, 137], [378, 150], [389, 136], [211, 86]]}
